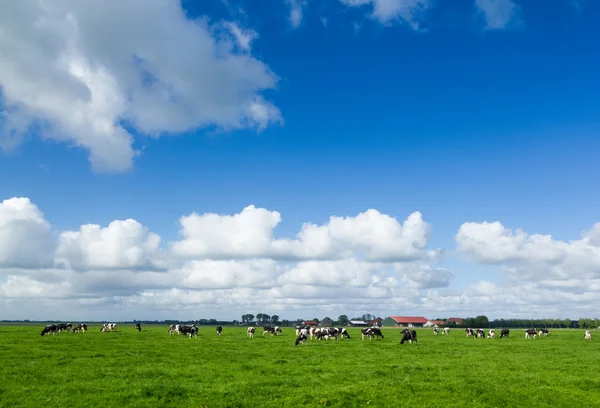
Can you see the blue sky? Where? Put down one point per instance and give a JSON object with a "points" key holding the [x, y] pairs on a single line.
{"points": [[463, 122]]}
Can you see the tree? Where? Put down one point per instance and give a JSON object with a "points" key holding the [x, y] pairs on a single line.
{"points": [[481, 322], [343, 320], [315, 320], [274, 319], [249, 317]]}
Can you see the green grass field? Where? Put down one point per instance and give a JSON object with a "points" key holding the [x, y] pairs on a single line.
{"points": [[151, 368]]}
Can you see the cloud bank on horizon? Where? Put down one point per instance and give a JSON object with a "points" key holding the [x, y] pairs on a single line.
{"points": [[226, 265]]}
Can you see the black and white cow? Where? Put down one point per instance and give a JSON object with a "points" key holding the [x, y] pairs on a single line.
{"points": [[327, 332], [481, 333], [313, 332], [174, 328], [270, 330], [446, 330], [250, 331], [108, 327], [190, 330], [491, 334], [219, 330], [470, 332], [301, 339], [530, 333], [80, 328], [543, 332], [138, 327], [50, 328], [64, 326], [344, 333], [436, 330], [504, 333], [408, 335], [588, 335]]}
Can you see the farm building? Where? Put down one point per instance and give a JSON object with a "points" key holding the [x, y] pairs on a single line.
{"points": [[309, 323], [456, 320], [326, 322], [358, 323], [405, 321], [438, 322]]}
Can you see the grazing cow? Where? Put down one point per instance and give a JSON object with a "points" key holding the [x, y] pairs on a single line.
{"points": [[446, 330], [250, 332], [344, 333], [301, 339], [530, 333], [80, 328], [108, 327], [543, 332], [313, 332], [50, 328], [277, 330], [326, 333], [408, 335], [504, 332], [219, 330], [138, 327], [190, 330], [270, 330], [471, 332], [436, 330], [480, 333], [174, 328], [64, 326], [491, 334], [588, 335]]}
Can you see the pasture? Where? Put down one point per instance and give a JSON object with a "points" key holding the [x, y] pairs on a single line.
{"points": [[151, 368]]}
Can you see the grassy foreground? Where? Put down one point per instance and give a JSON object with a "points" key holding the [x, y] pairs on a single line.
{"points": [[151, 368]]}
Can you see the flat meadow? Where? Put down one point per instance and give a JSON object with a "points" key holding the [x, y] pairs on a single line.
{"points": [[151, 368]]}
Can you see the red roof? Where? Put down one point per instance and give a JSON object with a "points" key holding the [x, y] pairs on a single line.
{"points": [[409, 319], [457, 320], [438, 322]]}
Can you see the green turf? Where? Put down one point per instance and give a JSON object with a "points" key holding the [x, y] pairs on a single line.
{"points": [[153, 369]]}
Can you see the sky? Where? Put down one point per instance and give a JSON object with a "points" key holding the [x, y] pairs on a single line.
{"points": [[307, 158]]}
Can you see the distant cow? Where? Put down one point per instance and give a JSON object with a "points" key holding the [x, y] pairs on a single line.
{"points": [[190, 330], [588, 335], [64, 326], [108, 327], [446, 330], [301, 339], [371, 332], [174, 328], [80, 328], [313, 332], [277, 330], [504, 333], [543, 332], [408, 335], [530, 333], [138, 327], [250, 331], [50, 328], [219, 330], [491, 334], [270, 330], [480, 333], [436, 330], [470, 332]]}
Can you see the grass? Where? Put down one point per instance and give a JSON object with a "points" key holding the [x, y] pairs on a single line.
{"points": [[151, 368]]}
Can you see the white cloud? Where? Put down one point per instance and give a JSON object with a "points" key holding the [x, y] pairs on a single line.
{"points": [[26, 239], [498, 13], [76, 71], [249, 234], [122, 244], [296, 12], [230, 260], [387, 11], [531, 257]]}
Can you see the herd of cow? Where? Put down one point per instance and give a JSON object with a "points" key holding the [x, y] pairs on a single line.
{"points": [[303, 332]]}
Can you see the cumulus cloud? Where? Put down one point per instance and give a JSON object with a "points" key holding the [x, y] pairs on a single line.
{"points": [[386, 11], [80, 72], [250, 234], [497, 13], [26, 239], [235, 260], [296, 12], [531, 257]]}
